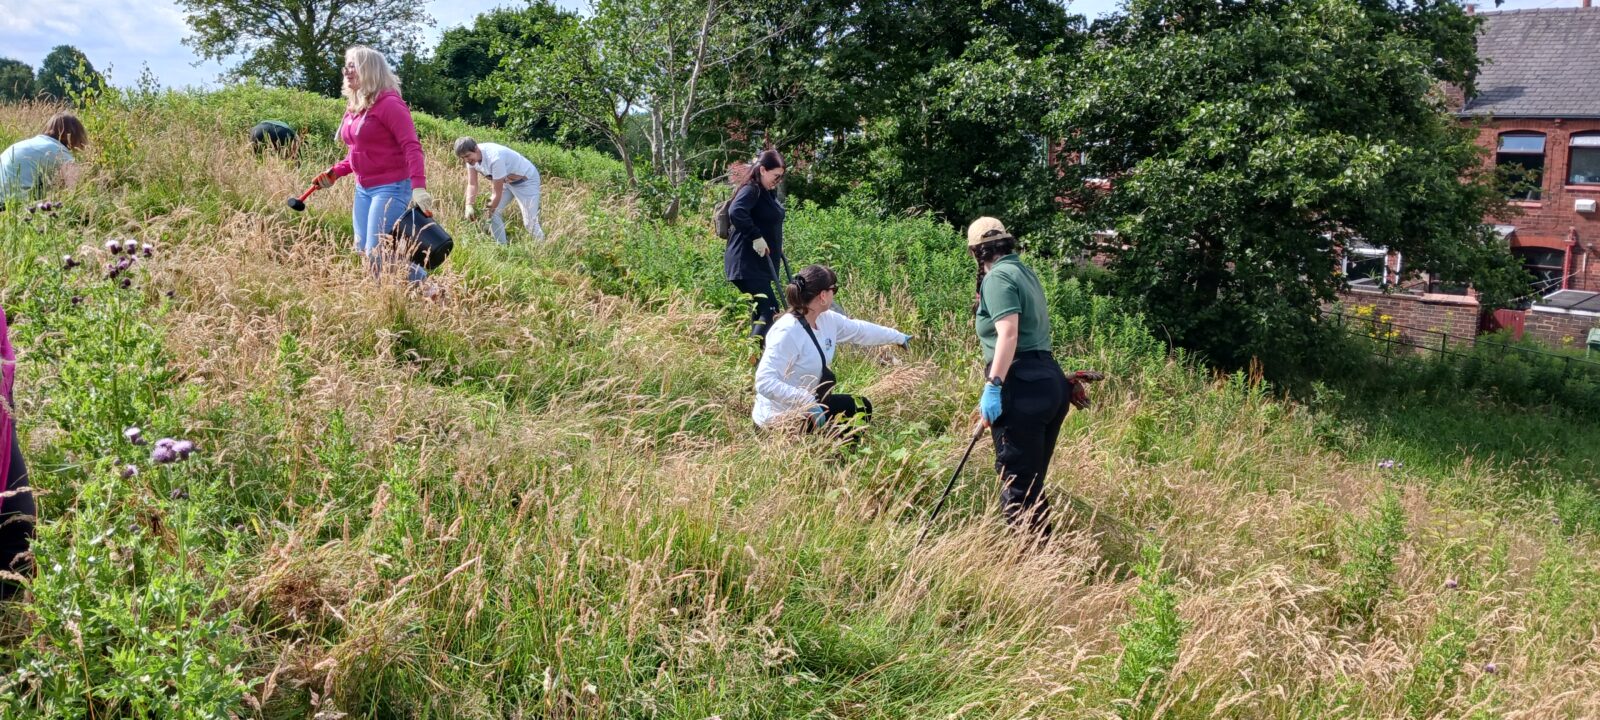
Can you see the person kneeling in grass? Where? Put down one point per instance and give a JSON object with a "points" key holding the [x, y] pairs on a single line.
{"points": [[31, 167], [506, 169], [793, 378]]}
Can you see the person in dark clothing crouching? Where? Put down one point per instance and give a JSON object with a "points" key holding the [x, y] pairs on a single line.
{"points": [[1027, 395], [274, 134], [17, 509], [755, 241]]}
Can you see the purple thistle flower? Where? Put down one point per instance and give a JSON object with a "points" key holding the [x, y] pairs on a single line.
{"points": [[184, 448], [166, 442], [1452, 583], [130, 246], [169, 293], [179, 493], [127, 283], [149, 250], [1386, 464], [69, 262], [134, 435], [128, 471], [1491, 668], [77, 299], [125, 262], [163, 455], [113, 247]]}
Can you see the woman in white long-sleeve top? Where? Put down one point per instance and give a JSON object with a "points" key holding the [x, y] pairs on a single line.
{"points": [[793, 379]]}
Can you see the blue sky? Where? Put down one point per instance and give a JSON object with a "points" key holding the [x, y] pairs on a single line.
{"points": [[126, 35]]}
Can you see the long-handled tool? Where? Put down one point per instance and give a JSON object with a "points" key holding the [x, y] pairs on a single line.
{"points": [[777, 298], [298, 204], [977, 432]]}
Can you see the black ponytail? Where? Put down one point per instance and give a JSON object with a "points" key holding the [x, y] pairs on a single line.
{"points": [[986, 254], [806, 286], [767, 160]]}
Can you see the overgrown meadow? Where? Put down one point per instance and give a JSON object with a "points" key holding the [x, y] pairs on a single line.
{"points": [[543, 496]]}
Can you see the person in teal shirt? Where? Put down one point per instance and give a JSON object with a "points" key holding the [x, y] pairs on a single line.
{"points": [[28, 167], [1027, 395]]}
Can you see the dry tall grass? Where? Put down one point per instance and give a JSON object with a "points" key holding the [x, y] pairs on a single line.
{"points": [[540, 478]]}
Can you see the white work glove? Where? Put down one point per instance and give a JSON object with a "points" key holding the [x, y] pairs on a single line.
{"points": [[760, 246], [421, 198], [472, 213]]}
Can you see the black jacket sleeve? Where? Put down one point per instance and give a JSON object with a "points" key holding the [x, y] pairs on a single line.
{"points": [[740, 213]]}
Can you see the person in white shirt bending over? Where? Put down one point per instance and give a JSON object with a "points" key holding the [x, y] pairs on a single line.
{"points": [[793, 379], [507, 170]]}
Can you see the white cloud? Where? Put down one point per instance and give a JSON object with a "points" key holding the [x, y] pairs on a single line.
{"points": [[126, 35]]}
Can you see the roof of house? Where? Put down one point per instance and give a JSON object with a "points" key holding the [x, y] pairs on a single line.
{"points": [[1541, 63]]}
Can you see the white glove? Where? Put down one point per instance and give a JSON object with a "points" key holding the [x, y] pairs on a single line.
{"points": [[472, 213], [421, 198], [760, 246]]}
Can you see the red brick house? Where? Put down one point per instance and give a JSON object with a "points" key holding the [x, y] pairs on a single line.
{"points": [[1537, 111]]}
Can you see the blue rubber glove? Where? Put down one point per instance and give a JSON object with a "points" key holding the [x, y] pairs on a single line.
{"points": [[989, 404], [819, 415], [905, 342]]}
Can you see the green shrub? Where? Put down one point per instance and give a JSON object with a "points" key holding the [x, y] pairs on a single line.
{"points": [[1371, 546], [1150, 640]]}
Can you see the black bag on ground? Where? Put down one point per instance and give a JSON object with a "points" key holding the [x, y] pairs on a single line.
{"points": [[430, 243]]}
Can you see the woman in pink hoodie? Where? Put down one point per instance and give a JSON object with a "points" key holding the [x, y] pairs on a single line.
{"points": [[17, 509], [385, 154]]}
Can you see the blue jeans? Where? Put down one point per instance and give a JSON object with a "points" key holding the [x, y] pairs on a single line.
{"points": [[375, 212]]}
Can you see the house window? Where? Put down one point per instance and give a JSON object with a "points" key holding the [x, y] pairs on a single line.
{"points": [[1366, 268], [1520, 165], [1545, 265], [1584, 162]]}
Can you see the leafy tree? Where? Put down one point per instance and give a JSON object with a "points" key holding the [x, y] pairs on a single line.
{"points": [[466, 57], [974, 143], [16, 80], [426, 89], [1246, 145], [884, 98], [656, 57], [299, 43], [66, 72]]}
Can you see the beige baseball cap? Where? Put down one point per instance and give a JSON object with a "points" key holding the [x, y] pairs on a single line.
{"points": [[986, 229]]}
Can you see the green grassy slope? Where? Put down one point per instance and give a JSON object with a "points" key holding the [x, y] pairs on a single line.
{"points": [[543, 497]]}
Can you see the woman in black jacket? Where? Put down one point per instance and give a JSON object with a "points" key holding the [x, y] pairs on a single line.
{"points": [[755, 242]]}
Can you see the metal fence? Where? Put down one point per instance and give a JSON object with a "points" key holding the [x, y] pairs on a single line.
{"points": [[1442, 344]]}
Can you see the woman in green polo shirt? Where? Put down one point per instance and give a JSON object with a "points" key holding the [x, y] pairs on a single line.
{"points": [[1027, 395]]}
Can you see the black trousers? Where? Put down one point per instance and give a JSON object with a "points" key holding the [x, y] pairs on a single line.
{"points": [[1033, 404], [843, 407], [766, 305], [16, 522]]}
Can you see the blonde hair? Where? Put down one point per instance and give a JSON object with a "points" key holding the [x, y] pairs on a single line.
{"points": [[374, 74]]}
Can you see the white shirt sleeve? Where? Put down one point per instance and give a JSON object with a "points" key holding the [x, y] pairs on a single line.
{"points": [[777, 363], [861, 332]]}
